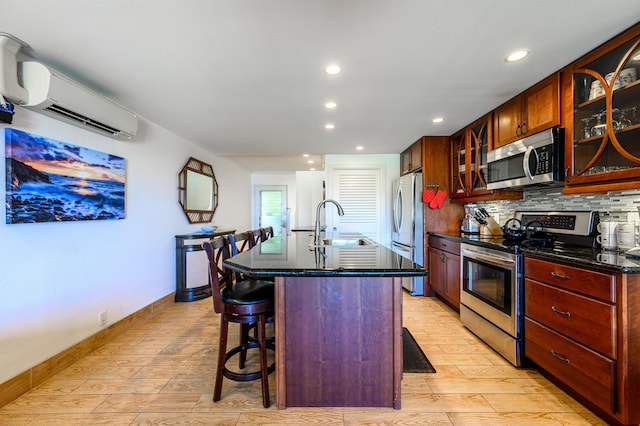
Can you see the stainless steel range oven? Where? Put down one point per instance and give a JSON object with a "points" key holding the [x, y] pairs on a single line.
{"points": [[492, 276], [491, 298]]}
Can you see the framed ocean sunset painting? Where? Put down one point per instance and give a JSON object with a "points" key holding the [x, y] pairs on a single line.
{"points": [[52, 181]]}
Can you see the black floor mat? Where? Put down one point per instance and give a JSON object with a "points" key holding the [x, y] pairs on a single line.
{"points": [[413, 359]]}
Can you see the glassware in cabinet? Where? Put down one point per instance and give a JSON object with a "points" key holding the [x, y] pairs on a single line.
{"points": [[606, 116]]}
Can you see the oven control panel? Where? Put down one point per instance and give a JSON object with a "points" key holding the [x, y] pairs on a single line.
{"points": [[551, 222], [580, 223]]}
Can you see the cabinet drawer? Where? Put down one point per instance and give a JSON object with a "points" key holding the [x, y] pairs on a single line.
{"points": [[444, 244], [588, 321], [585, 371], [591, 283]]}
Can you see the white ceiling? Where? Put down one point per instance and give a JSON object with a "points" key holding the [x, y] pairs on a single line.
{"points": [[244, 78]]}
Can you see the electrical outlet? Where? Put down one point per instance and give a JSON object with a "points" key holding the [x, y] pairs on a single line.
{"points": [[102, 318]]}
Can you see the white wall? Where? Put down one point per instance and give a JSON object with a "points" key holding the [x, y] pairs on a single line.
{"points": [[309, 194], [56, 277]]}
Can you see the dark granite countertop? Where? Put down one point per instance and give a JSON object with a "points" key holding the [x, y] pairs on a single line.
{"points": [[610, 261], [291, 255]]}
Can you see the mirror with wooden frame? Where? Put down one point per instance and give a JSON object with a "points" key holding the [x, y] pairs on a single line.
{"points": [[197, 191]]}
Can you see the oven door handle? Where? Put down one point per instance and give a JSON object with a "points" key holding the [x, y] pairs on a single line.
{"points": [[526, 162], [492, 260]]}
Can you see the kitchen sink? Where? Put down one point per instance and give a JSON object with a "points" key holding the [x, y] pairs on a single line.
{"points": [[345, 242]]}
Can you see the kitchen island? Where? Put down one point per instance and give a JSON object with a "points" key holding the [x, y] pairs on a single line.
{"points": [[338, 319]]}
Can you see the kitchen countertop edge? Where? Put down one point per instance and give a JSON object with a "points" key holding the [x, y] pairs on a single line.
{"points": [[294, 257], [583, 256], [271, 272]]}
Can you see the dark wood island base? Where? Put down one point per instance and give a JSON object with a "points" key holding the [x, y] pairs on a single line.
{"points": [[341, 341]]}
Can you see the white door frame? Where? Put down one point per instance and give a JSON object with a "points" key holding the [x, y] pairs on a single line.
{"points": [[285, 211]]}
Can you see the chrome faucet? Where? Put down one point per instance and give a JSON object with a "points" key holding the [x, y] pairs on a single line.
{"points": [[316, 235]]}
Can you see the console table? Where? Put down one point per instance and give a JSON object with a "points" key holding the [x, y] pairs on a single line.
{"points": [[192, 266]]}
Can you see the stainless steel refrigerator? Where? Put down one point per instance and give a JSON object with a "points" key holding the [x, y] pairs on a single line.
{"points": [[406, 241]]}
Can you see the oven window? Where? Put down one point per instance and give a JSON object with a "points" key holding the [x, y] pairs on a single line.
{"points": [[506, 169], [487, 282]]}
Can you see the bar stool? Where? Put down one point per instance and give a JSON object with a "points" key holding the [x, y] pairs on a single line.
{"points": [[268, 232], [257, 236], [239, 242], [244, 302]]}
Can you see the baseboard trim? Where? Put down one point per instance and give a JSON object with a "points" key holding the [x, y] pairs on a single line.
{"points": [[36, 375]]}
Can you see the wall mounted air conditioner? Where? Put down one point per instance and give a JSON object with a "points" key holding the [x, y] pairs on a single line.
{"points": [[57, 96], [32, 85]]}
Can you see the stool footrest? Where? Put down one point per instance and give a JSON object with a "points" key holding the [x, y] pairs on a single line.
{"points": [[245, 377]]}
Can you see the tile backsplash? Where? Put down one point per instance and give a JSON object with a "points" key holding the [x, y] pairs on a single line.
{"points": [[620, 206]]}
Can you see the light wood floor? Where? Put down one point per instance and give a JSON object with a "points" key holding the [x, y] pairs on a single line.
{"points": [[161, 372]]}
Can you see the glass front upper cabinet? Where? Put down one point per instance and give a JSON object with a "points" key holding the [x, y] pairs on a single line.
{"points": [[606, 117], [479, 134]]}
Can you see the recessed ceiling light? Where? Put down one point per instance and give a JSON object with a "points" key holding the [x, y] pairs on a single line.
{"points": [[359, 147], [310, 162], [333, 69], [312, 169], [437, 120], [329, 126], [305, 155], [517, 55], [330, 105]]}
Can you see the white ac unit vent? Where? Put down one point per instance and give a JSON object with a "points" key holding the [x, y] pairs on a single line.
{"points": [[84, 120], [55, 95]]}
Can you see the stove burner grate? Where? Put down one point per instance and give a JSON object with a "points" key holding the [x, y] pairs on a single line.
{"points": [[539, 239], [534, 239]]}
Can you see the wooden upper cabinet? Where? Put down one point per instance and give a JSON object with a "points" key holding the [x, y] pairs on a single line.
{"points": [[534, 110], [411, 158], [469, 159], [601, 114], [469, 149], [507, 122]]}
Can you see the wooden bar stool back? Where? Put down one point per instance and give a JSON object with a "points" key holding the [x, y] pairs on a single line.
{"points": [[257, 236], [239, 242], [245, 302], [268, 232]]}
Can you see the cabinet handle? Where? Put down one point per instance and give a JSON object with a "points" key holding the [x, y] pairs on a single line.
{"points": [[558, 311], [560, 357], [564, 277], [525, 128], [518, 131]]}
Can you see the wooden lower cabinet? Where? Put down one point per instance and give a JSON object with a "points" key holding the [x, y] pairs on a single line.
{"points": [[582, 327], [580, 368], [444, 269]]}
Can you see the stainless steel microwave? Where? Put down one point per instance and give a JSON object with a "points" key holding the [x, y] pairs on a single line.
{"points": [[535, 160]]}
